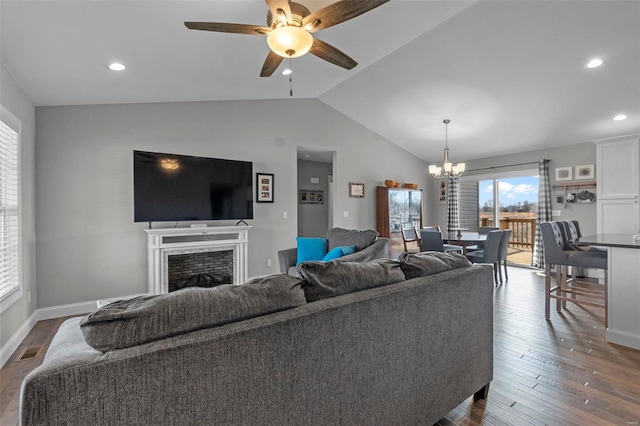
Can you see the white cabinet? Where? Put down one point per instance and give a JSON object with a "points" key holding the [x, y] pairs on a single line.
{"points": [[618, 186], [619, 216]]}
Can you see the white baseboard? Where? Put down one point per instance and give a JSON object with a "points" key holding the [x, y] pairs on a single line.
{"points": [[51, 312], [10, 347]]}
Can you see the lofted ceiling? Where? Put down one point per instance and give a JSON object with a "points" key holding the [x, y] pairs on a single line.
{"points": [[509, 75]]}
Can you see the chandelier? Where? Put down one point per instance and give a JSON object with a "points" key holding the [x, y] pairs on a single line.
{"points": [[448, 170]]}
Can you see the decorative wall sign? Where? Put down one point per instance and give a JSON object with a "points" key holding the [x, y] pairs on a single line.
{"points": [[443, 192], [585, 172], [264, 187], [310, 197], [356, 190], [563, 173]]}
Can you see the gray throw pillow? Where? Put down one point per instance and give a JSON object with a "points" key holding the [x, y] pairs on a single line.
{"points": [[420, 264], [148, 318], [339, 237], [329, 279]]}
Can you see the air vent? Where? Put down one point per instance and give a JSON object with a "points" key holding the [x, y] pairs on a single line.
{"points": [[29, 353]]}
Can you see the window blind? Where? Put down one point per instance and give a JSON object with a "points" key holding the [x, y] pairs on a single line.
{"points": [[9, 208]]}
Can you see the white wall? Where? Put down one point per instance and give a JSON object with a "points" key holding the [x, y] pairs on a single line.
{"points": [[313, 219], [15, 100], [573, 155], [88, 246]]}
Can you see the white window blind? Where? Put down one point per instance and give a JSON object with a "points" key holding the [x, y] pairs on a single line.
{"points": [[9, 204]]}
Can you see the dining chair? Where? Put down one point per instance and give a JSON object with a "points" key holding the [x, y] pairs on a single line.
{"points": [[558, 253], [504, 252], [482, 230], [432, 241], [409, 235], [489, 254], [432, 228]]}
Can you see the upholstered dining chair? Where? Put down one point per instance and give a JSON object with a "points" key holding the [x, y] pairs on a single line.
{"points": [[489, 254], [432, 228], [432, 241], [559, 253], [504, 252], [482, 230], [409, 235]]}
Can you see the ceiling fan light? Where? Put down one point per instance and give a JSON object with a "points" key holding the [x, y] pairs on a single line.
{"points": [[284, 40]]}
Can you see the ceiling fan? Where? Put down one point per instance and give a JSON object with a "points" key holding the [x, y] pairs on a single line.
{"points": [[289, 30]]}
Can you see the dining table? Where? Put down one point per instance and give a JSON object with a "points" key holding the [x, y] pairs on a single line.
{"points": [[463, 238]]}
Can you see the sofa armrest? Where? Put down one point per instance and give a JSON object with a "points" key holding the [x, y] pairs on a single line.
{"points": [[287, 258], [377, 250]]}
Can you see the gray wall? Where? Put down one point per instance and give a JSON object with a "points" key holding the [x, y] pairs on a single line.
{"points": [[15, 100], [313, 219], [573, 155], [88, 246]]}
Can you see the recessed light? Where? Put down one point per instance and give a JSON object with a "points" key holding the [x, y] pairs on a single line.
{"points": [[287, 71], [116, 66], [620, 117], [594, 63]]}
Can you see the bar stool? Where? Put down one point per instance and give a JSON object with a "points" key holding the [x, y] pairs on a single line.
{"points": [[558, 252]]}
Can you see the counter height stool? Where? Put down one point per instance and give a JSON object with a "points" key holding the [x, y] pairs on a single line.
{"points": [[558, 252]]}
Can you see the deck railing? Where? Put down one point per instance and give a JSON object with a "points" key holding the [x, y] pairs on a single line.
{"points": [[524, 230]]}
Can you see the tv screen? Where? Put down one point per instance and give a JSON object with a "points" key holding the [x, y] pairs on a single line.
{"points": [[171, 187]]}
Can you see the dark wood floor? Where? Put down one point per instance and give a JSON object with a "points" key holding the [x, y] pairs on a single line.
{"points": [[557, 372]]}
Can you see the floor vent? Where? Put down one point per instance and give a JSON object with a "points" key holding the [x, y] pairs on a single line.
{"points": [[29, 353]]}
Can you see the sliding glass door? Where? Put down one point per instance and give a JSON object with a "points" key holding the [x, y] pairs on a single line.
{"points": [[505, 201]]}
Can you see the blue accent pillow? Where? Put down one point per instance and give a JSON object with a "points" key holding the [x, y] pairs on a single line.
{"points": [[311, 249], [339, 252]]}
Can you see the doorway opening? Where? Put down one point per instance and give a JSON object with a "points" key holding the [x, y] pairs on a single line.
{"points": [[315, 191]]}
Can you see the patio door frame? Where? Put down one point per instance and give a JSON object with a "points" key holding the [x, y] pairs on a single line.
{"points": [[495, 177]]}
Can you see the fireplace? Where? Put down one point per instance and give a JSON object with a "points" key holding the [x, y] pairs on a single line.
{"points": [[179, 257], [202, 269]]}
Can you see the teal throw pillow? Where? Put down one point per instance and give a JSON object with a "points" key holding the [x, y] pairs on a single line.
{"points": [[311, 249], [339, 252]]}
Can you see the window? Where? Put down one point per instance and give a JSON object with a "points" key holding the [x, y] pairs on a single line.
{"points": [[10, 272]]}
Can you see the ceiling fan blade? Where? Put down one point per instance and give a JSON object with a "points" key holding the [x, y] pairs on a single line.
{"points": [[338, 12], [329, 53], [222, 27], [270, 64], [281, 9]]}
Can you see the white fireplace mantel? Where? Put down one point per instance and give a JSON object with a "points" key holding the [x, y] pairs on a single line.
{"points": [[165, 242]]}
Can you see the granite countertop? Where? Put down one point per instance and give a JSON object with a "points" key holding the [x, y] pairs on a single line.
{"points": [[612, 240]]}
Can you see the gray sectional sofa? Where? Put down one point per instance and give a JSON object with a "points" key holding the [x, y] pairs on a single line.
{"points": [[376, 343]]}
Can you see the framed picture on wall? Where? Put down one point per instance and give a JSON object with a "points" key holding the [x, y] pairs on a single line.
{"points": [[356, 190], [264, 187], [443, 192], [306, 196], [585, 172], [563, 173]]}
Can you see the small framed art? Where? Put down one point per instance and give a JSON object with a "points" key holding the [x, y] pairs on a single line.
{"points": [[356, 190], [307, 196], [264, 187], [585, 172], [563, 173], [443, 192]]}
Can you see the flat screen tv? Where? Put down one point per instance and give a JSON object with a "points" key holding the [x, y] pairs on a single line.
{"points": [[171, 187]]}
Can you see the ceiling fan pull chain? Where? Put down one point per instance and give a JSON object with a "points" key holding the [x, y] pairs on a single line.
{"points": [[290, 81]]}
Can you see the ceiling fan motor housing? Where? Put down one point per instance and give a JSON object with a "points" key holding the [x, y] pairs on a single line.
{"points": [[298, 13]]}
